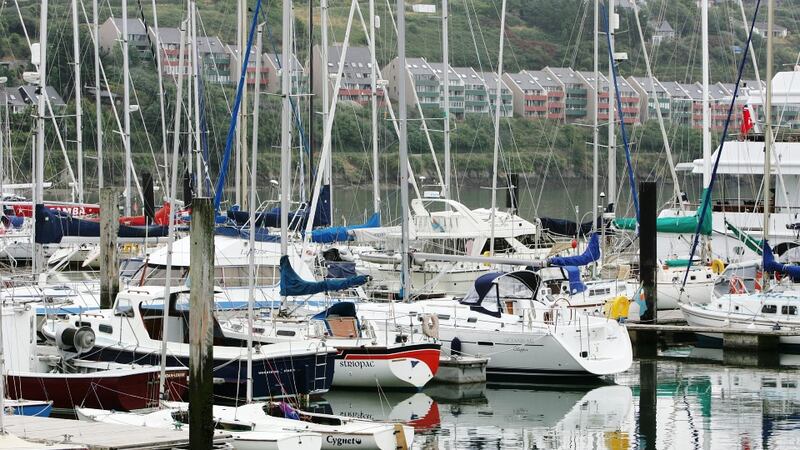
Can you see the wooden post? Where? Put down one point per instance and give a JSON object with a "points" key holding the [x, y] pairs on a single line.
{"points": [[201, 332], [648, 388], [647, 247], [149, 202], [109, 262]]}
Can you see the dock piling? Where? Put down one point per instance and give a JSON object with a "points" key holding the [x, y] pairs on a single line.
{"points": [[109, 262], [149, 202], [647, 247], [201, 333]]}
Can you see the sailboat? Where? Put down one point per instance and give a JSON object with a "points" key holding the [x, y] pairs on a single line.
{"points": [[774, 307]]}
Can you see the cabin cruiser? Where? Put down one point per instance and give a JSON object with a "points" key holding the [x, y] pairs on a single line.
{"points": [[743, 308], [503, 318], [450, 228], [62, 374], [132, 332]]}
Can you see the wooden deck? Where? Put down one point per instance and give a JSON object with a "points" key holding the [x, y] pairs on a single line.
{"points": [[99, 436]]}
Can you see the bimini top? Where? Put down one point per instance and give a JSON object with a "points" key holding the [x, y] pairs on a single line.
{"points": [[490, 289]]}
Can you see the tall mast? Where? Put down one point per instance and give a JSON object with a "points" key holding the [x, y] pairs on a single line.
{"points": [[98, 110], [172, 195], [126, 106], [446, 63], [497, 106], [286, 124], [240, 45], [595, 128], [198, 148], [242, 160], [327, 178], [251, 287], [612, 137], [376, 181], [76, 55], [768, 137], [161, 95], [402, 138], [38, 184], [704, 93]]}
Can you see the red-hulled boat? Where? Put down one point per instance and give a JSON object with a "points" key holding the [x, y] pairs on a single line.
{"points": [[56, 374]]}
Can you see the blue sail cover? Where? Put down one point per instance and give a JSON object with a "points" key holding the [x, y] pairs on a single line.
{"points": [[262, 234], [770, 265], [576, 285], [590, 255], [339, 234], [272, 218], [292, 284], [52, 226]]}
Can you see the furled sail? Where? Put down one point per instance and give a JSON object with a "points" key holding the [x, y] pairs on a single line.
{"points": [[293, 284], [590, 255], [678, 224], [342, 234]]}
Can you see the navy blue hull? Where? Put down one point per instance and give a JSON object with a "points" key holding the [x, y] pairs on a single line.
{"points": [[288, 376]]}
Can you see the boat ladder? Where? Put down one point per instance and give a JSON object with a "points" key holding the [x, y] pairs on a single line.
{"points": [[321, 369]]}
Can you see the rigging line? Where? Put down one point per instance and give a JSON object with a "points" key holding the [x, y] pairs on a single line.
{"points": [[707, 199], [614, 72]]}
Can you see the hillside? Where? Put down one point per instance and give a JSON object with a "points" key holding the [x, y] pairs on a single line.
{"points": [[540, 33]]}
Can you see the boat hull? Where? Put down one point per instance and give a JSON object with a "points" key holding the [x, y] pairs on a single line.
{"points": [[285, 376], [701, 317], [406, 367], [120, 390]]}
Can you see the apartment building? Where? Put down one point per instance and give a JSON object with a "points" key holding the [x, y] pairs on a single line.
{"points": [[554, 90], [529, 97], [506, 94], [652, 95], [299, 79], [356, 85], [456, 87], [476, 95], [111, 33], [576, 98], [422, 82]]}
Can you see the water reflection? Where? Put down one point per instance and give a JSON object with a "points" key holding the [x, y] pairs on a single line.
{"points": [[675, 402]]}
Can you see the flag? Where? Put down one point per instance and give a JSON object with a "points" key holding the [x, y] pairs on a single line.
{"points": [[747, 121]]}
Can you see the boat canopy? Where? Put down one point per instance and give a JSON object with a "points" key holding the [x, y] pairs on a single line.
{"points": [[262, 234], [292, 284], [590, 255], [52, 226], [675, 224], [297, 218], [490, 288]]}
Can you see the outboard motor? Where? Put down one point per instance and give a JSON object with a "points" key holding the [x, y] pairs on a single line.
{"points": [[74, 340]]}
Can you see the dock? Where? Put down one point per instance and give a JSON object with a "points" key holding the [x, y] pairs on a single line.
{"points": [[742, 346], [461, 370], [101, 436]]}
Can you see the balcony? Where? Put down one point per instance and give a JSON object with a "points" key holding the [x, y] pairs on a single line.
{"points": [[575, 102], [576, 91], [555, 94], [536, 98], [537, 108], [572, 112], [555, 116], [630, 110]]}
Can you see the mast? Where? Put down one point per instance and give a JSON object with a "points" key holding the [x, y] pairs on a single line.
{"points": [[323, 4], [161, 95], [76, 54], [612, 137], [172, 195], [251, 286], [595, 128], [286, 125], [242, 160], [126, 106], [497, 106], [98, 110], [768, 137], [38, 183], [446, 130], [126, 134], [376, 181], [706, 110], [199, 169], [240, 45], [402, 138]]}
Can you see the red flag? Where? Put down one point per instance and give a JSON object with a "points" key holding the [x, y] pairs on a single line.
{"points": [[747, 121]]}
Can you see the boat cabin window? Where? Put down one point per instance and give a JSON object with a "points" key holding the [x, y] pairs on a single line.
{"points": [[123, 307], [446, 246], [789, 310], [769, 309], [239, 276], [501, 245], [155, 275]]}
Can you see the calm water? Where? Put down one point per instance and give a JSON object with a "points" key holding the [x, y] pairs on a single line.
{"points": [[669, 403]]}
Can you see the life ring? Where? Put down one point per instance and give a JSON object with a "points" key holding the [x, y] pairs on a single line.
{"points": [[430, 325], [737, 286], [717, 266]]}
